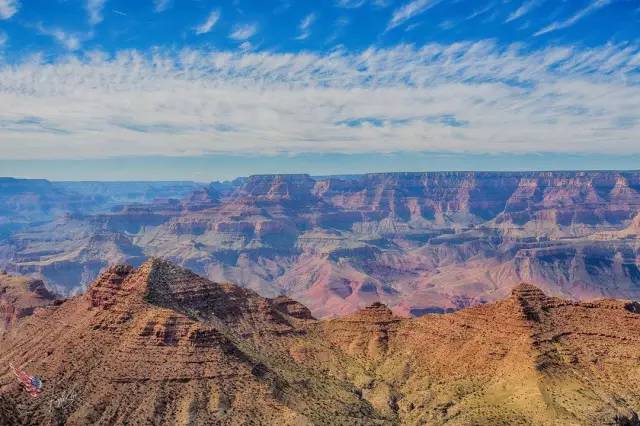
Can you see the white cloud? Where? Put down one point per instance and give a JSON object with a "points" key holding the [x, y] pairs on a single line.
{"points": [[3, 39], [339, 26], [68, 40], [209, 23], [243, 31], [8, 8], [305, 26], [410, 10], [524, 8], [473, 97], [94, 10], [350, 4], [354, 4], [447, 24], [161, 5], [481, 11], [559, 25]]}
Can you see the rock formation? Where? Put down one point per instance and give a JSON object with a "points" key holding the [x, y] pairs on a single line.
{"points": [[20, 297], [418, 242], [161, 345]]}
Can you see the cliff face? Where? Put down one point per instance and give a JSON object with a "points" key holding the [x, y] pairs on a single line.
{"points": [[419, 242], [160, 344], [20, 297], [561, 199]]}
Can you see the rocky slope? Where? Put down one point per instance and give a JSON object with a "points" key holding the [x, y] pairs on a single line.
{"points": [[20, 297], [419, 242], [160, 345]]}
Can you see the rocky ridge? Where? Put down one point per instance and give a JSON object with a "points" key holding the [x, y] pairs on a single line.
{"points": [[20, 297], [160, 344]]}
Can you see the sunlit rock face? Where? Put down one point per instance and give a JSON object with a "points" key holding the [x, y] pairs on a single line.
{"points": [[418, 242], [20, 297], [161, 344]]}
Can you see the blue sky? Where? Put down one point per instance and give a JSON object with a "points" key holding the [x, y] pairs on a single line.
{"points": [[199, 89]]}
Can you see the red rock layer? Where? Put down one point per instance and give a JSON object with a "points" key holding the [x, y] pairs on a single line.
{"points": [[161, 345]]}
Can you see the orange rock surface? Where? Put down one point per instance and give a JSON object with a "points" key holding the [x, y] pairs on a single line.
{"points": [[19, 297], [161, 345]]}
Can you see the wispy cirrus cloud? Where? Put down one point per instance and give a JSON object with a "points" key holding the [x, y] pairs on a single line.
{"points": [[481, 11], [338, 28], [209, 23], [160, 6], [8, 8], [582, 13], [525, 8], [305, 26], [68, 40], [243, 32], [382, 3], [475, 97], [409, 11], [354, 4], [95, 10], [350, 4]]}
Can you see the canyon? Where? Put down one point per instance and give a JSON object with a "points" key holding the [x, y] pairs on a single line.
{"points": [[161, 345], [420, 243], [28, 202]]}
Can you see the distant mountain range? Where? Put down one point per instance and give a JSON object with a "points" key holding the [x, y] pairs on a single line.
{"points": [[418, 242], [32, 201], [160, 345]]}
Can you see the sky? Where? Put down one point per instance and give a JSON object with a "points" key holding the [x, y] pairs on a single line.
{"points": [[213, 89]]}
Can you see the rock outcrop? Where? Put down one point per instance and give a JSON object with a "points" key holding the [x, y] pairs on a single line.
{"points": [[159, 344], [20, 297]]}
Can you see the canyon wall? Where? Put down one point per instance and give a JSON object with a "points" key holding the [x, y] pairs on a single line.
{"points": [[419, 242]]}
